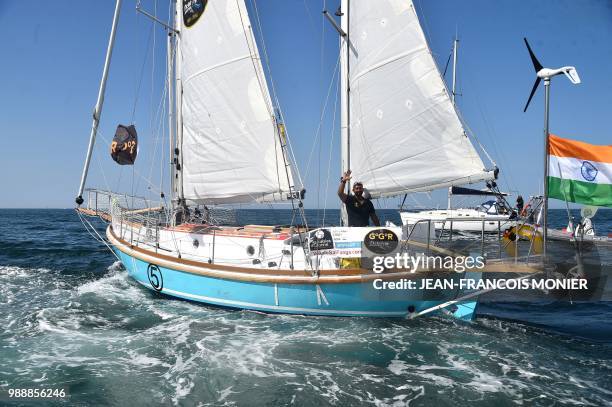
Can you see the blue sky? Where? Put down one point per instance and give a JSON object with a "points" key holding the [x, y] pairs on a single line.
{"points": [[53, 54]]}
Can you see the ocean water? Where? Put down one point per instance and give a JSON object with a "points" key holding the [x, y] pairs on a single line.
{"points": [[72, 319]]}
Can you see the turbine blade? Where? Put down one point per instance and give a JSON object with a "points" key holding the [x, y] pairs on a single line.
{"points": [[536, 64], [535, 86]]}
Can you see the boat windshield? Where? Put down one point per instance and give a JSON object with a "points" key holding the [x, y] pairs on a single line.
{"points": [[488, 207]]}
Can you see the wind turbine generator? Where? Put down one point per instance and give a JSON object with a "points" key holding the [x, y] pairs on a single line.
{"points": [[546, 74]]}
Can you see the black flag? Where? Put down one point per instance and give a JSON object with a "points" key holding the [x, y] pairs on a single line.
{"points": [[124, 147]]}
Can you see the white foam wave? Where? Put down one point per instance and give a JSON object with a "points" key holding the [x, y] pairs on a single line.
{"points": [[116, 266], [225, 393], [143, 361], [182, 388], [113, 287], [8, 272]]}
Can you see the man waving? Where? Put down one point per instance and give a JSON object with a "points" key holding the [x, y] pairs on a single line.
{"points": [[359, 209]]}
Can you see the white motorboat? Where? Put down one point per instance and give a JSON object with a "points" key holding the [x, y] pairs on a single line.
{"points": [[489, 217]]}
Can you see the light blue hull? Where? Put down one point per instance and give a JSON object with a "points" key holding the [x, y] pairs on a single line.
{"points": [[343, 299]]}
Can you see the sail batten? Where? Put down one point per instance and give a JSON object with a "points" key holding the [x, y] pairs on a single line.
{"points": [[231, 147], [405, 134], [210, 68], [355, 77]]}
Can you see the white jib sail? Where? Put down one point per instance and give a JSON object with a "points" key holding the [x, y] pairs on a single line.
{"points": [[230, 144], [405, 134]]}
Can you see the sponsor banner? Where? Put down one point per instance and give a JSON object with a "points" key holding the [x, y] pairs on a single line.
{"points": [[354, 242], [348, 245], [334, 243], [381, 241], [321, 240], [192, 11]]}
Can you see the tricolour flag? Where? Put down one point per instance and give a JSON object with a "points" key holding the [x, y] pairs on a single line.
{"points": [[579, 172]]}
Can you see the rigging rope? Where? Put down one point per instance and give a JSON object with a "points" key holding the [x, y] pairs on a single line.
{"points": [[318, 132], [447, 62], [466, 127], [247, 29], [159, 129], [144, 61], [87, 224], [493, 138], [156, 119], [281, 114], [321, 84], [331, 145], [274, 93]]}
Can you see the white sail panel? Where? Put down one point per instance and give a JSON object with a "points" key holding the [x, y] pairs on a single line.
{"points": [[230, 143], [405, 134]]}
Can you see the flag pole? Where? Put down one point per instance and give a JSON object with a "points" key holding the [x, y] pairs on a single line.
{"points": [[546, 163], [569, 214], [546, 74]]}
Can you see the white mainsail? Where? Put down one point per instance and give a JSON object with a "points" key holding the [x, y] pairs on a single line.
{"points": [[404, 132], [231, 145]]}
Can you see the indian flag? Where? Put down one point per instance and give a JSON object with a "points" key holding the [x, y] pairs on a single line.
{"points": [[579, 172]]}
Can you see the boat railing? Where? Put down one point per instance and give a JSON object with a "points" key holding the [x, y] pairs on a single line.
{"points": [[501, 243], [138, 220], [101, 201], [143, 216]]}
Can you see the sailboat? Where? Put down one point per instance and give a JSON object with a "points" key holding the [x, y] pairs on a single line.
{"points": [[400, 133], [492, 215]]}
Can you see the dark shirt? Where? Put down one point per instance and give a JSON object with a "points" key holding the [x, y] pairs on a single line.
{"points": [[358, 212], [519, 204]]}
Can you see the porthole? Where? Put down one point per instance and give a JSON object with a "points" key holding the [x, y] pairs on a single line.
{"points": [[250, 250], [196, 243]]}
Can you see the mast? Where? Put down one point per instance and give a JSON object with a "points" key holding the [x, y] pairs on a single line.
{"points": [[455, 46], [178, 196], [546, 161], [345, 139], [99, 103], [171, 128]]}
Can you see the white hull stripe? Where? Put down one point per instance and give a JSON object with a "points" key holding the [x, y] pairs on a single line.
{"points": [[250, 305]]}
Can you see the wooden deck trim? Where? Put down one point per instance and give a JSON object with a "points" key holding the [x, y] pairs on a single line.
{"points": [[281, 276], [90, 212], [249, 231]]}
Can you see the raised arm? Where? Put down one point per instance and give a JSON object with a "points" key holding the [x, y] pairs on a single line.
{"points": [[341, 194]]}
